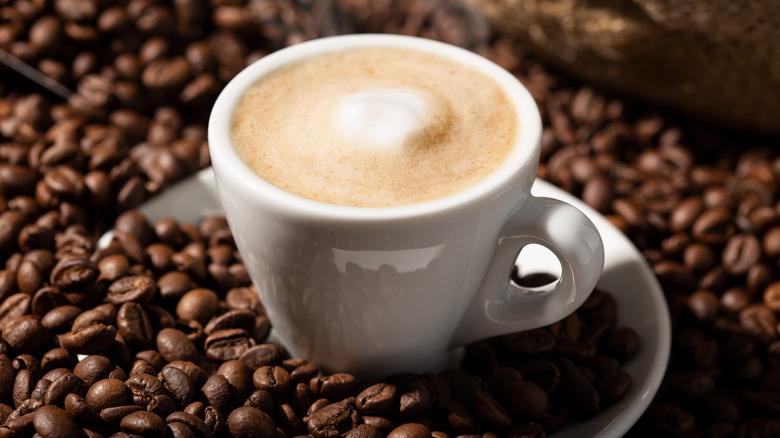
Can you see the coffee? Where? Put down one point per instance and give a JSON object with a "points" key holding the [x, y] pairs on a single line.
{"points": [[375, 127]]}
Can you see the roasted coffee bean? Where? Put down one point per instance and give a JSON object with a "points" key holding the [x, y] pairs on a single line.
{"points": [[377, 399], [532, 342], [410, 430], [582, 396], [198, 304], [98, 315], [239, 376], [74, 273], [60, 319], [263, 400], [51, 421], [524, 400], [77, 408], [144, 387], [133, 325], [196, 374], [92, 369], [286, 419], [23, 386], [113, 415], [139, 288], [334, 386], [623, 343], [14, 307], [144, 424], [95, 339], [26, 334], [61, 387], [337, 417], [195, 424], [174, 345], [108, 393], [273, 379], [227, 344], [249, 421], [461, 418], [179, 385], [242, 319], [161, 405], [490, 411], [262, 355], [417, 397], [216, 391], [7, 375]]}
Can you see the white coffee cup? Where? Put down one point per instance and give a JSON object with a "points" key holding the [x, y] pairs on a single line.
{"points": [[379, 290]]}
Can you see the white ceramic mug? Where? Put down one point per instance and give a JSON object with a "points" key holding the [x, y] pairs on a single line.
{"points": [[374, 291]]}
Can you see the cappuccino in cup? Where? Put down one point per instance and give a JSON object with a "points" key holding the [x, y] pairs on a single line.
{"points": [[441, 147], [375, 127]]}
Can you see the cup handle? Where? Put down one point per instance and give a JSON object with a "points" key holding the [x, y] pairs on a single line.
{"points": [[501, 306]]}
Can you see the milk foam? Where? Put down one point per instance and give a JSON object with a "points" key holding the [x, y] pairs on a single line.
{"points": [[381, 117], [374, 127]]}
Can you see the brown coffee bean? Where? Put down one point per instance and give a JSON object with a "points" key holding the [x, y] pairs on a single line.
{"points": [[524, 400], [741, 253], [410, 430], [377, 399], [772, 296], [198, 304], [74, 273], [239, 376], [704, 304], [273, 379], [51, 421], [26, 334], [61, 387], [95, 339], [243, 298], [108, 393], [417, 397], [174, 345], [263, 355], [24, 383], [178, 384], [138, 288], [113, 415], [759, 320], [93, 368], [172, 285], [337, 417], [217, 391], [195, 424], [713, 226], [46, 299], [248, 422], [582, 396], [242, 319], [490, 411], [366, 431], [531, 342], [143, 423], [334, 386], [98, 315], [227, 344], [144, 387], [14, 307]]}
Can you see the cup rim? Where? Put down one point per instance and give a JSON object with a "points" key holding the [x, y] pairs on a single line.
{"points": [[223, 156]]}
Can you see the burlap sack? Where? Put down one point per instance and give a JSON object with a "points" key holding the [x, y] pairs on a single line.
{"points": [[713, 59]]}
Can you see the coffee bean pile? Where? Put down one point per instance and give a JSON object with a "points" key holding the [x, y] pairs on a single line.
{"points": [[160, 332], [170, 334]]}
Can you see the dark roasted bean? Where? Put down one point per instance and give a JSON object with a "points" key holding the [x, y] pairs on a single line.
{"points": [[249, 421]]}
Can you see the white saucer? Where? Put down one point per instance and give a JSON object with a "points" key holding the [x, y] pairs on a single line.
{"points": [[641, 303]]}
